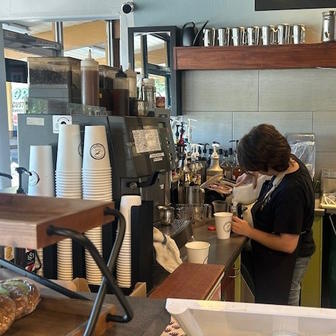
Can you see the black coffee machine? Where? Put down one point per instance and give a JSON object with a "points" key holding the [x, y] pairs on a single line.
{"points": [[142, 156]]}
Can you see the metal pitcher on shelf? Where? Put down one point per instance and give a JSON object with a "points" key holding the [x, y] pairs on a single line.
{"points": [[209, 37], [284, 33], [299, 33], [328, 26], [239, 36], [253, 35], [223, 36], [268, 35], [235, 36]]}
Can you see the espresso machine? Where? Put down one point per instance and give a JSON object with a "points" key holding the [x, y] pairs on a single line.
{"points": [[142, 155]]}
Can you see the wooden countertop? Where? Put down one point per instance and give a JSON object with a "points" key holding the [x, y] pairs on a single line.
{"points": [[190, 281]]}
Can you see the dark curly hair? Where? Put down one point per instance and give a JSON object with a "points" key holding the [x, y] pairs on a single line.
{"points": [[264, 148]]}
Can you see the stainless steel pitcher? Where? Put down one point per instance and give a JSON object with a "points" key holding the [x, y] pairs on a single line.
{"points": [[242, 36], [328, 26], [268, 35], [235, 36], [223, 36], [253, 35], [298, 34], [195, 195], [283, 33], [209, 37]]}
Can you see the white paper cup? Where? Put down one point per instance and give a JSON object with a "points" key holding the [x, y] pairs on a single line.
{"points": [[198, 252], [69, 150], [41, 183], [223, 224], [96, 152]]}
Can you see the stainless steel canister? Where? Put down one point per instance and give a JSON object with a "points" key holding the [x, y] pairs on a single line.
{"points": [[224, 36], [209, 37], [268, 35], [253, 35], [242, 36], [283, 33], [328, 26], [299, 33], [235, 36]]}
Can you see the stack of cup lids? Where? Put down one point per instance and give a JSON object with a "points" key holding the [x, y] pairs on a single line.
{"points": [[97, 185], [124, 265], [68, 185]]}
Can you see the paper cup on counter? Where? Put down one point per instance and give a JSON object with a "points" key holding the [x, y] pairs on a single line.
{"points": [[223, 224], [198, 252]]}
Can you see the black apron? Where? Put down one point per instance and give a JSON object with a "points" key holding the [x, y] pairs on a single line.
{"points": [[273, 270]]}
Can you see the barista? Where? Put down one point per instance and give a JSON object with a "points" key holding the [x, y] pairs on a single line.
{"points": [[281, 239]]}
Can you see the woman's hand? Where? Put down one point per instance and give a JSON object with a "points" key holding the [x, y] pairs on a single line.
{"points": [[247, 178], [241, 227]]}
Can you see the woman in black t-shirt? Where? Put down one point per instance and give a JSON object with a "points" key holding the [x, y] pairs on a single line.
{"points": [[282, 241]]}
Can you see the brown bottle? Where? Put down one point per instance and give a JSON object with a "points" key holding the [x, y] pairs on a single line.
{"points": [[120, 94], [90, 81]]}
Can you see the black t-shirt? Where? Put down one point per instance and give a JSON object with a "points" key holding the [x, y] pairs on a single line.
{"points": [[290, 209]]}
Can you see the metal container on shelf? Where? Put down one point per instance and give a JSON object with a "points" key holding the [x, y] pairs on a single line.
{"points": [[253, 35], [223, 36], [298, 33], [283, 33], [210, 37], [235, 36], [328, 26], [268, 35]]}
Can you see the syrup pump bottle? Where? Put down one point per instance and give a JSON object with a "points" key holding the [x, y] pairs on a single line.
{"points": [[214, 168]]}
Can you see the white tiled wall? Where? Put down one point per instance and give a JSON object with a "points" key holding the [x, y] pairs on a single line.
{"points": [[227, 104]]}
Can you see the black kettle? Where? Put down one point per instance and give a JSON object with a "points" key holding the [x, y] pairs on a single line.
{"points": [[191, 36]]}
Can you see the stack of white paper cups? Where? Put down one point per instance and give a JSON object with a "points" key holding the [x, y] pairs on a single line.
{"points": [[68, 185], [41, 182], [97, 185], [124, 265]]}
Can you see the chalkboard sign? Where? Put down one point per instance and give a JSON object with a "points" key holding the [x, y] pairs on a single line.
{"points": [[263, 5]]}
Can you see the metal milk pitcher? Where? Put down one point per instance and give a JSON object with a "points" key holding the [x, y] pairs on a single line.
{"points": [[328, 26]]}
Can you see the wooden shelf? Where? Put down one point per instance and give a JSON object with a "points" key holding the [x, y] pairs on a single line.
{"points": [[24, 219], [318, 55]]}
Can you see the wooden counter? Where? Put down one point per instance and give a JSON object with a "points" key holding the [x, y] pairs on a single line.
{"points": [[190, 281]]}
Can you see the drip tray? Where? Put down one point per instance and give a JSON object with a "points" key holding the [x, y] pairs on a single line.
{"points": [[180, 230]]}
